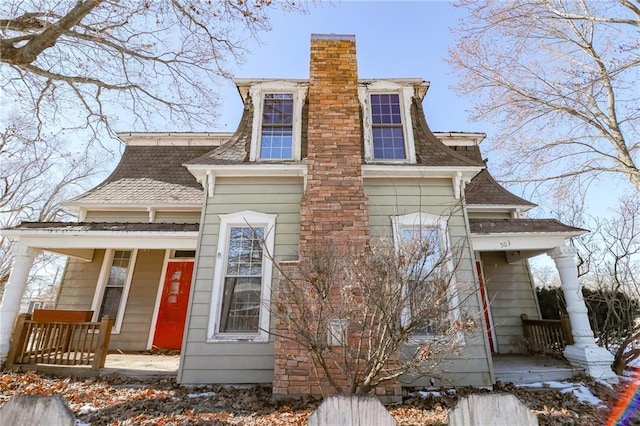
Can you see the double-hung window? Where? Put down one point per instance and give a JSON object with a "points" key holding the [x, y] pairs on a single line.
{"points": [[276, 141], [241, 296], [277, 120], [242, 277], [431, 300], [113, 286], [386, 127]]}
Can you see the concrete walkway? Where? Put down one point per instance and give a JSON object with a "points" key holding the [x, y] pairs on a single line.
{"points": [[140, 366]]}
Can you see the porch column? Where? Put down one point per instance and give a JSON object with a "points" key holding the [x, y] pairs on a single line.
{"points": [[584, 353], [23, 257]]}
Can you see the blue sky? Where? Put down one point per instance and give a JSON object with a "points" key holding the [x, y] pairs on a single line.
{"points": [[393, 39]]}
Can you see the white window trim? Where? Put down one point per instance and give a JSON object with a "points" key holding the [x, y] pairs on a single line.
{"points": [[102, 284], [257, 93], [243, 218], [405, 94], [428, 220]]}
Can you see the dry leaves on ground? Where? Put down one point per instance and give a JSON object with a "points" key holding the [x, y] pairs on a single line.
{"points": [[117, 400]]}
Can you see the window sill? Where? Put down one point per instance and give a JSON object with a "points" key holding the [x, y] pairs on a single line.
{"points": [[238, 339], [416, 340]]}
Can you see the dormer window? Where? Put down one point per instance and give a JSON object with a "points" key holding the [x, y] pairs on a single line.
{"points": [[386, 127], [386, 111], [277, 120], [276, 141]]}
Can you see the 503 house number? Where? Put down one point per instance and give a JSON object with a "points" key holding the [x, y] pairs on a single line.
{"points": [[505, 244]]}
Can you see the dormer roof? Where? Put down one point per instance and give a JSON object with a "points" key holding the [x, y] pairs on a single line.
{"points": [[430, 151]]}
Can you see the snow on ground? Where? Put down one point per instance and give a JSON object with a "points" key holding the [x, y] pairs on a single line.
{"points": [[201, 395], [436, 394], [580, 390]]}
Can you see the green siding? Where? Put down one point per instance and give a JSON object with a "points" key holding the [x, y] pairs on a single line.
{"points": [[79, 283], [246, 362], [236, 362], [140, 303], [79, 286], [510, 294], [141, 216], [392, 197]]}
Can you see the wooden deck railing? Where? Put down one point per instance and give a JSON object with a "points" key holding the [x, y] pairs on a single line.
{"points": [[59, 342], [547, 336]]}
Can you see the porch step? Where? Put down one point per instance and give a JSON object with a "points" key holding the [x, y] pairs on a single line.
{"points": [[524, 369]]}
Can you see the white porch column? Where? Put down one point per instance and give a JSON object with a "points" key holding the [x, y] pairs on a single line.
{"points": [[584, 353], [23, 257]]}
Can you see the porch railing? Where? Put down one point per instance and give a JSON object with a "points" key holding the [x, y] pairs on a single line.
{"points": [[59, 342], [547, 336]]}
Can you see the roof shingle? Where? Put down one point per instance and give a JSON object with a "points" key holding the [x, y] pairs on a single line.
{"points": [[107, 226], [498, 226], [149, 174], [484, 190]]}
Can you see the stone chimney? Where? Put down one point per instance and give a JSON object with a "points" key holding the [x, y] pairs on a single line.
{"points": [[334, 210], [334, 206]]}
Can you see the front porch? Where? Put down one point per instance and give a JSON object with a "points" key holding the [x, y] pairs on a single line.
{"points": [[526, 369], [138, 273], [136, 365]]}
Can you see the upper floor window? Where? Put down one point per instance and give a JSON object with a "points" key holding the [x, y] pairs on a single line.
{"points": [[277, 120], [388, 130], [386, 127], [277, 126]]}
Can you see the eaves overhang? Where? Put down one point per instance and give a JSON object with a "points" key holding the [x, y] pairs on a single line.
{"points": [[207, 174], [411, 171], [499, 207], [168, 207]]}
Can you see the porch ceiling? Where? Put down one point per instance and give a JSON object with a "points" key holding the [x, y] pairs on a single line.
{"points": [[80, 239]]}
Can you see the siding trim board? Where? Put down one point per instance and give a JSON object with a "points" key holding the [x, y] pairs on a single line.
{"points": [[156, 304]]}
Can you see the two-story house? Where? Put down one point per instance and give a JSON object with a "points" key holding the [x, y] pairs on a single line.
{"points": [[331, 157]]}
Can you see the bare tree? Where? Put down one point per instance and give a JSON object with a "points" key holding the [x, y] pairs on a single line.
{"points": [[368, 316], [560, 78], [35, 177], [613, 280], [72, 65], [160, 59]]}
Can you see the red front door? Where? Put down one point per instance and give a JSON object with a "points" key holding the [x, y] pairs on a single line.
{"points": [[173, 306]]}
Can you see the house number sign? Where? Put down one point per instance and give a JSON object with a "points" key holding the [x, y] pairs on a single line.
{"points": [[505, 244]]}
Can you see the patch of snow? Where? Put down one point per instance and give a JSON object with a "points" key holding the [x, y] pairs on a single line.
{"points": [[86, 409], [582, 392], [81, 423], [425, 394], [200, 395]]}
